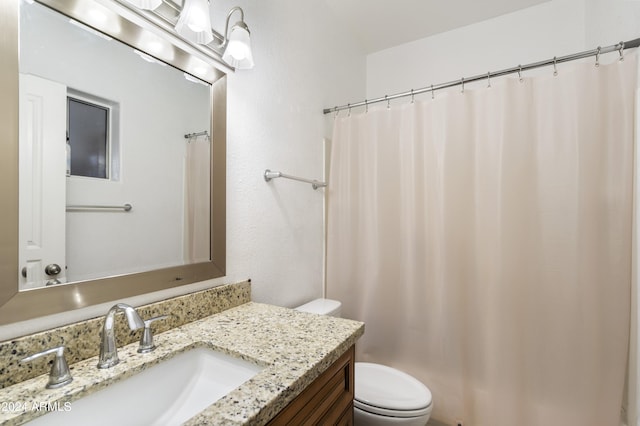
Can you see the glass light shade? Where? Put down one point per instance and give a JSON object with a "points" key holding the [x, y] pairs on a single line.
{"points": [[238, 51], [194, 23], [145, 4]]}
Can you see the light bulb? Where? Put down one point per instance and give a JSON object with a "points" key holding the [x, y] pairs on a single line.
{"points": [[238, 50]]}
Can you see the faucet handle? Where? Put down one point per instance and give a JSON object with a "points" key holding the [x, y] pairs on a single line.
{"points": [[146, 341], [59, 374]]}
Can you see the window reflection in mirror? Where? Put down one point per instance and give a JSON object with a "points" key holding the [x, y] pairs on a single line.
{"points": [[88, 138], [143, 159]]}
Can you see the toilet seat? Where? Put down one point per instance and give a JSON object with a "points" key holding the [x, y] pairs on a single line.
{"points": [[389, 392]]}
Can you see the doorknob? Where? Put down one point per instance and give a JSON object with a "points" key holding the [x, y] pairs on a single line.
{"points": [[52, 269]]}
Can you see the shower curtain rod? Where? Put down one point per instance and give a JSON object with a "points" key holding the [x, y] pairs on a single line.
{"points": [[623, 45]]}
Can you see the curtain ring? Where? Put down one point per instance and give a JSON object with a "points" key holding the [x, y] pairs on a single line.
{"points": [[488, 79], [337, 112], [520, 73], [620, 51], [462, 82], [555, 66], [598, 56], [388, 102], [349, 106], [366, 106], [412, 96], [432, 95]]}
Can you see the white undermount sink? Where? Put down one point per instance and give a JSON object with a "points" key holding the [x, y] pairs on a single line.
{"points": [[168, 393]]}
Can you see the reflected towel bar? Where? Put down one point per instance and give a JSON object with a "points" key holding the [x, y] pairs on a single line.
{"points": [[127, 207], [195, 135], [268, 175]]}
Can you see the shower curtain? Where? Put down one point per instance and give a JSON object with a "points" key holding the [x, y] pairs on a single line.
{"points": [[485, 237], [197, 217]]}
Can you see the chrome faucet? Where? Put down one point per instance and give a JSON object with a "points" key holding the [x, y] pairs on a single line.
{"points": [[108, 348]]}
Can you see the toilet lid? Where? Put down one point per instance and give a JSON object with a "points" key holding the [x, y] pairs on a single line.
{"points": [[389, 389]]}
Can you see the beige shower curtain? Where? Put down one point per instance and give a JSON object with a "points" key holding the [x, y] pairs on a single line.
{"points": [[485, 239], [197, 218]]}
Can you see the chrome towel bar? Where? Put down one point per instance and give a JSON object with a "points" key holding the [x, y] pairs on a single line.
{"points": [[195, 135], [268, 175], [127, 207]]}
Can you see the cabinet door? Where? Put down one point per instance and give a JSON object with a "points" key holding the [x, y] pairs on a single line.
{"points": [[326, 401]]}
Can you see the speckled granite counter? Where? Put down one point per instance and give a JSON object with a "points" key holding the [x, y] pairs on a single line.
{"points": [[295, 347], [82, 339]]}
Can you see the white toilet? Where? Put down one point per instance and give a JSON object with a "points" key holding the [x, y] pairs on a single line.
{"points": [[383, 395]]}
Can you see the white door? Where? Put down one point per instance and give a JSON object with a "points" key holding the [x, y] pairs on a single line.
{"points": [[42, 181]]}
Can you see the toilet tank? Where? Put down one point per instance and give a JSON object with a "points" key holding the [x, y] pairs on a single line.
{"points": [[323, 307]]}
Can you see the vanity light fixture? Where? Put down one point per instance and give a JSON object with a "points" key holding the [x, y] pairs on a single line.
{"points": [[237, 43], [194, 22], [194, 25]]}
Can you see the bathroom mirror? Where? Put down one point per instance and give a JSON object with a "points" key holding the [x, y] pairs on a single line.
{"points": [[144, 94]]}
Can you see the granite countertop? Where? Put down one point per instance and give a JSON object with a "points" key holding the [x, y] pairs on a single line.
{"points": [[294, 347]]}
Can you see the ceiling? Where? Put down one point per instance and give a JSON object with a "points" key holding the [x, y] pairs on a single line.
{"points": [[380, 24]]}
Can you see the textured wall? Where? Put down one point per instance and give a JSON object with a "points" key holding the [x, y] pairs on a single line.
{"points": [[304, 61], [550, 29], [554, 28]]}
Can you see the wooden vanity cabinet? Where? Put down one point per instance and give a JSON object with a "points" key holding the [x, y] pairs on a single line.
{"points": [[326, 401]]}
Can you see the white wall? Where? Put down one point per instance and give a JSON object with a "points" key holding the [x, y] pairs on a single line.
{"points": [[304, 62], [550, 29], [554, 28], [611, 21]]}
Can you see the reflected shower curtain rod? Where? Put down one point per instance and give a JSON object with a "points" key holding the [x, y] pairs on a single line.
{"points": [[623, 45]]}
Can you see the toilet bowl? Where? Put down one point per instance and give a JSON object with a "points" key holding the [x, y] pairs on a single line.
{"points": [[383, 395]]}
